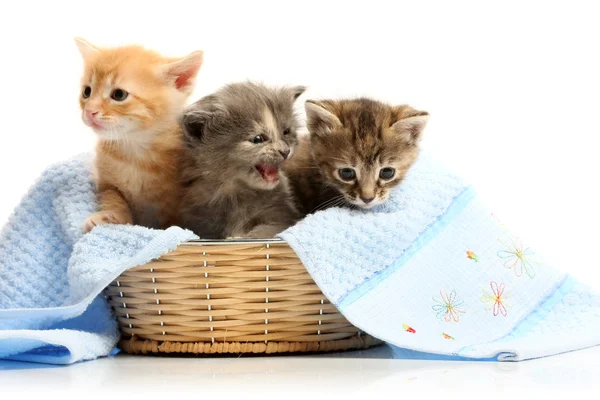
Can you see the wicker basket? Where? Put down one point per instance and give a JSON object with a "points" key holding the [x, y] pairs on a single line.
{"points": [[206, 297]]}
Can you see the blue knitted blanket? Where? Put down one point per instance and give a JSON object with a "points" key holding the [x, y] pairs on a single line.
{"points": [[52, 276]]}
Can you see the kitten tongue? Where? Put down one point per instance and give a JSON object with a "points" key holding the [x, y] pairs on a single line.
{"points": [[268, 172]]}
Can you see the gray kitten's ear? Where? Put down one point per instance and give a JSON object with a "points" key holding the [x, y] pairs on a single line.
{"points": [[196, 116], [297, 91], [410, 127], [86, 49], [319, 121], [193, 124]]}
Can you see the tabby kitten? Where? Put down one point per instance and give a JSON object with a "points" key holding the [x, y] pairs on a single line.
{"points": [[132, 98], [236, 142], [357, 151]]}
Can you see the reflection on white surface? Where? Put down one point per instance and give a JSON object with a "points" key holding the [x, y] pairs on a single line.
{"points": [[376, 370]]}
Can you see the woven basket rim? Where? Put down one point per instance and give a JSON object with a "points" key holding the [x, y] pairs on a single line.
{"points": [[208, 242]]}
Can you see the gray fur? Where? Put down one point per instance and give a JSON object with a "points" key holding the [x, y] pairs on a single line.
{"points": [[224, 195]]}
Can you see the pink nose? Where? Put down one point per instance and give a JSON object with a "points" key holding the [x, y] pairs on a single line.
{"points": [[91, 114]]}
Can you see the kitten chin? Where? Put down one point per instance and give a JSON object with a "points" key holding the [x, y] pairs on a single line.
{"points": [[237, 141], [357, 151]]}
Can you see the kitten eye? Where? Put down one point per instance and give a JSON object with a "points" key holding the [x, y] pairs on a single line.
{"points": [[119, 95], [347, 174], [258, 139], [387, 173], [87, 92], [287, 131]]}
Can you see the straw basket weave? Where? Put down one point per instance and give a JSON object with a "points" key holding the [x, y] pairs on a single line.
{"points": [[251, 296]]}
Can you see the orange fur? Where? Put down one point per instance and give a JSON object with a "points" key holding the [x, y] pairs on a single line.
{"points": [[139, 137]]}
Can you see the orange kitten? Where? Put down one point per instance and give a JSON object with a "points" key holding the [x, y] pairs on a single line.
{"points": [[132, 98]]}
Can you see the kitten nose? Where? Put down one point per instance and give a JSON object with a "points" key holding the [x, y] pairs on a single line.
{"points": [[367, 200], [284, 153], [91, 114]]}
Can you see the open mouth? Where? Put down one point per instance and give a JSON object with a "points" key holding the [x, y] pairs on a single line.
{"points": [[269, 172]]}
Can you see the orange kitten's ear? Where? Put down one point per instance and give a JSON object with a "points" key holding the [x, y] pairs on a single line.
{"points": [[183, 71], [86, 49], [318, 120], [411, 127]]}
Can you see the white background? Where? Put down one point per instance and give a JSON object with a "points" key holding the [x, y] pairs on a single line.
{"points": [[512, 87]]}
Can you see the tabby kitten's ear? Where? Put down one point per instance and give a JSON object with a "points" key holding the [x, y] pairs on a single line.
{"points": [[319, 120], [86, 49], [411, 125], [198, 115], [182, 73]]}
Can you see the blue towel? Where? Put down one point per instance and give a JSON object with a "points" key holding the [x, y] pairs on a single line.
{"points": [[52, 276], [433, 270]]}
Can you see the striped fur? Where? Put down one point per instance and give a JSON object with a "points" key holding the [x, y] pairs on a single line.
{"points": [[361, 134]]}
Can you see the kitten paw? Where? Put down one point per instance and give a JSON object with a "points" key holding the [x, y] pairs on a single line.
{"points": [[105, 217]]}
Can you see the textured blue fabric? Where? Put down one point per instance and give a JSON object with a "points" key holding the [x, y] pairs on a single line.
{"points": [[434, 271], [52, 276], [383, 268], [353, 246]]}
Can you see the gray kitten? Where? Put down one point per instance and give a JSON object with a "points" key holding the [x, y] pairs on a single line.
{"points": [[235, 142]]}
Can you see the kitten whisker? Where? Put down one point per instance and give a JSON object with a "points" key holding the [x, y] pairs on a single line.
{"points": [[334, 203], [339, 203], [328, 203], [331, 200]]}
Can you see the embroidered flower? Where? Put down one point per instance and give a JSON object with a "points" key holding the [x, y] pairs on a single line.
{"points": [[408, 328], [472, 256], [496, 300], [518, 258], [449, 307], [446, 336]]}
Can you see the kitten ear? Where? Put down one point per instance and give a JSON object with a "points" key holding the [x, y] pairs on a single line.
{"points": [[318, 119], [198, 115], [86, 49], [410, 127], [183, 71], [193, 125], [297, 91]]}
